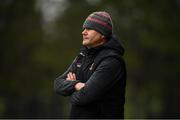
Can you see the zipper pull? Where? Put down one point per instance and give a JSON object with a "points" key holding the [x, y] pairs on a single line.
{"points": [[81, 53]]}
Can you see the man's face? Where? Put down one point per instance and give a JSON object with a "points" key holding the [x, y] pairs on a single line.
{"points": [[91, 38]]}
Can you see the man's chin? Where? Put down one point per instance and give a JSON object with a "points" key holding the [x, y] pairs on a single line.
{"points": [[85, 42]]}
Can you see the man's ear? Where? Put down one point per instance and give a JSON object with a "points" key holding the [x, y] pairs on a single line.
{"points": [[103, 38]]}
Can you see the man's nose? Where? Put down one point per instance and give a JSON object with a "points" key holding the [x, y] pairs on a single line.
{"points": [[84, 31]]}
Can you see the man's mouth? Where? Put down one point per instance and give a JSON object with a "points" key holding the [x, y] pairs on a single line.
{"points": [[85, 38]]}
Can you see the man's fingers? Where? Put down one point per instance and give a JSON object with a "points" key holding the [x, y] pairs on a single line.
{"points": [[79, 86], [71, 76], [74, 76], [68, 77]]}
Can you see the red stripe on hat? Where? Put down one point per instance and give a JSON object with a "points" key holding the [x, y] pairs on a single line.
{"points": [[104, 15], [100, 22]]}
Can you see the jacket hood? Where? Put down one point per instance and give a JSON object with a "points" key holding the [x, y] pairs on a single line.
{"points": [[115, 44]]}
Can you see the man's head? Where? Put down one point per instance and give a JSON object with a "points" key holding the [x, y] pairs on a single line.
{"points": [[97, 28]]}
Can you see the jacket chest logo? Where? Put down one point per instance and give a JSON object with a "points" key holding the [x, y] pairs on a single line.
{"points": [[91, 67], [78, 65]]}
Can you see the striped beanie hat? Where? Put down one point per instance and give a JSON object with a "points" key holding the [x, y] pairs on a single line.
{"points": [[101, 22]]}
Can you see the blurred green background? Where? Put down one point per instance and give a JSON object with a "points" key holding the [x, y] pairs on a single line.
{"points": [[40, 38]]}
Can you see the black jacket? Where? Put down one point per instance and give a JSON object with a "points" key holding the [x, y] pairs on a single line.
{"points": [[103, 71]]}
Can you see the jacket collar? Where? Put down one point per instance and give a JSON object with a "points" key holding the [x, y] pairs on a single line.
{"points": [[113, 43], [90, 51]]}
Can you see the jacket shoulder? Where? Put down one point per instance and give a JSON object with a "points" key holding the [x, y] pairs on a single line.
{"points": [[107, 53]]}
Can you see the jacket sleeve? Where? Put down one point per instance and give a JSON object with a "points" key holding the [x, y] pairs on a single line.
{"points": [[63, 86], [103, 78]]}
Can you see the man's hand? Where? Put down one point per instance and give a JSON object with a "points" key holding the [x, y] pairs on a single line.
{"points": [[79, 85], [71, 76]]}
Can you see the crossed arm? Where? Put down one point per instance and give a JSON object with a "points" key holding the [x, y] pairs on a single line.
{"points": [[65, 84], [72, 77], [103, 78]]}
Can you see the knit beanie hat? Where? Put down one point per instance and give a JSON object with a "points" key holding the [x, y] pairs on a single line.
{"points": [[101, 22]]}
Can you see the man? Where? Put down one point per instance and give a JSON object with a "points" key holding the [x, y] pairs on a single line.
{"points": [[96, 79]]}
